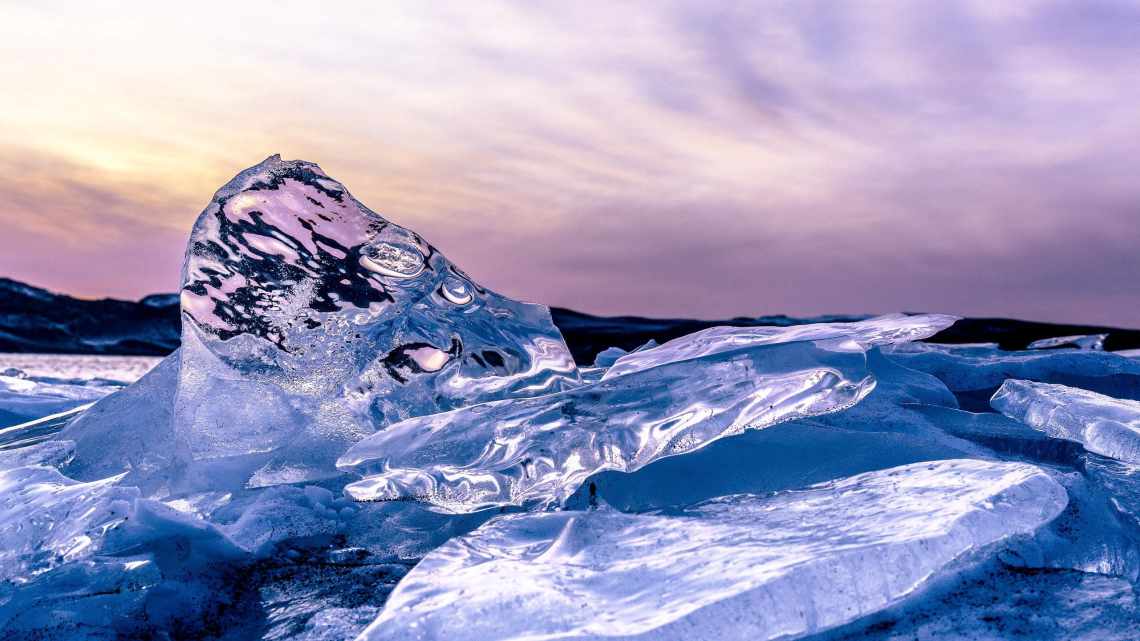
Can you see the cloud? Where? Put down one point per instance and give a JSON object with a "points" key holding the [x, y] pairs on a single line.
{"points": [[78, 230], [680, 158]]}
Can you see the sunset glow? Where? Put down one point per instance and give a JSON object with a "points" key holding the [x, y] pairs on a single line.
{"points": [[654, 159]]}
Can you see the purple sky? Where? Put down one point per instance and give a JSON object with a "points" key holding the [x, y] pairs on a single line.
{"points": [[678, 158]]}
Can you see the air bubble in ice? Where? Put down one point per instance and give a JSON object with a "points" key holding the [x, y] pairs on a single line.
{"points": [[387, 259]]}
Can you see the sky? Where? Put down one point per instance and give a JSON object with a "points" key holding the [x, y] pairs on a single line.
{"points": [[674, 158]]}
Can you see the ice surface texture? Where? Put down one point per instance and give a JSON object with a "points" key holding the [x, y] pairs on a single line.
{"points": [[739, 567], [1105, 425], [309, 322], [664, 401]]}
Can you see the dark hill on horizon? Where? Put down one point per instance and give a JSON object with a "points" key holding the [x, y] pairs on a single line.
{"points": [[33, 319]]}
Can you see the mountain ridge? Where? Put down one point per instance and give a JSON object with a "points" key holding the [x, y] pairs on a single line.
{"points": [[34, 319]]}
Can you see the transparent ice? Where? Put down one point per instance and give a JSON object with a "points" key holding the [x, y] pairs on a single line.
{"points": [[310, 322], [47, 519], [1105, 425], [738, 567], [665, 401]]}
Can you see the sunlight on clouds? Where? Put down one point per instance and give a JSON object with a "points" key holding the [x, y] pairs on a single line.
{"points": [[862, 138]]}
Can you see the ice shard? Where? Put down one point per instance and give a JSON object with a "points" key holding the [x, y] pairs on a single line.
{"points": [[737, 567], [309, 322], [1093, 342], [1105, 425], [47, 519], [889, 329], [665, 401]]}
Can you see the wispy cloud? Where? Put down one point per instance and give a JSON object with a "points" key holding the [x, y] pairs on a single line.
{"points": [[676, 158]]}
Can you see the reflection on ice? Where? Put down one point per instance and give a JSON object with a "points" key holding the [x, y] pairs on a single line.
{"points": [[662, 401], [738, 567]]}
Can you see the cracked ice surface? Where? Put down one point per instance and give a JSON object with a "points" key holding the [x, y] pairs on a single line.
{"points": [[663, 401], [737, 567], [1105, 425]]}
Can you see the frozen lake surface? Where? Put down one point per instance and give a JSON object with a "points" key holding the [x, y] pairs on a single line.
{"points": [[79, 367]]}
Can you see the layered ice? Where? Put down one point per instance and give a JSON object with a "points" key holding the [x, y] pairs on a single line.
{"points": [[737, 567], [310, 322], [1105, 425], [665, 401]]}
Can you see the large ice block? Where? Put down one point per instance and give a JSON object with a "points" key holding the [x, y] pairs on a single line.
{"points": [[885, 429], [737, 567], [309, 322]]}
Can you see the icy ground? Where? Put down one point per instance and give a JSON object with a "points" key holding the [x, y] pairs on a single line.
{"points": [[33, 386], [356, 440]]}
